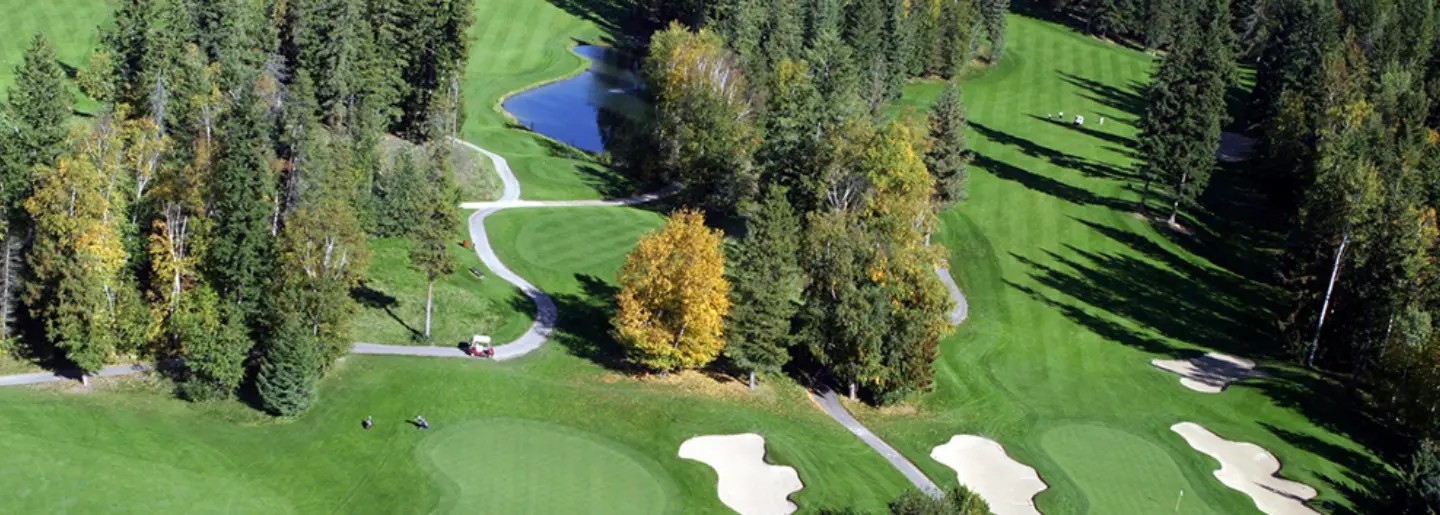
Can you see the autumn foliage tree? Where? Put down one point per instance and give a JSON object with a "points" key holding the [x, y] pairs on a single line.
{"points": [[674, 296]]}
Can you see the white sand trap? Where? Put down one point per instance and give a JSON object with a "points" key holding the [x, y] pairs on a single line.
{"points": [[747, 484], [1210, 373], [1250, 469], [1007, 485]]}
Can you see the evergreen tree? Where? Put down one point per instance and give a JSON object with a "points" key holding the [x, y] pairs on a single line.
{"points": [[241, 251], [992, 14], [436, 225], [401, 196], [947, 158], [34, 121], [216, 344], [792, 141], [766, 285], [899, 45], [290, 370], [786, 37], [845, 315]]}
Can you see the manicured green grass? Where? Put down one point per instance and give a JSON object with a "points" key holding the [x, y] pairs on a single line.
{"points": [[516, 466], [518, 44], [70, 26], [1071, 296], [392, 299], [136, 450]]}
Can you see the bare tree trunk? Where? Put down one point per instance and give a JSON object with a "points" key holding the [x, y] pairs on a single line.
{"points": [[852, 390], [1329, 290], [752, 379], [6, 287], [1179, 196], [429, 303]]}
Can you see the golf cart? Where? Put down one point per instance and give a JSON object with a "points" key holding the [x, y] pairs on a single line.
{"points": [[480, 347]]}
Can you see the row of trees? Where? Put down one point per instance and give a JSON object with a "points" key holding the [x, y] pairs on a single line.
{"points": [[213, 214], [838, 201], [1349, 149]]}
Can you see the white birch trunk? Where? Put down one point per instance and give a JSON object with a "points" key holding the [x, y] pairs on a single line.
{"points": [[1325, 306]]}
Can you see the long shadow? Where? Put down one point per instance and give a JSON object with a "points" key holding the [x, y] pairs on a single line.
{"points": [[376, 299], [1129, 100], [625, 21], [1238, 229], [1122, 141], [583, 327], [1171, 303], [1066, 160]]}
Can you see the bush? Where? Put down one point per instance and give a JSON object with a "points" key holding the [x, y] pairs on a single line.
{"points": [[958, 501]]}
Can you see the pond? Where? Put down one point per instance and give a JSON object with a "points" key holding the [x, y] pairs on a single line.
{"points": [[581, 110]]}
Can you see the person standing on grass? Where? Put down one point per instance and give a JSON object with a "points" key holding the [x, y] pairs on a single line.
{"points": [[421, 421], [369, 421]]}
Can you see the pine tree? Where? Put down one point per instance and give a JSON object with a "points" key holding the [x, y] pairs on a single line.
{"points": [[791, 144], [241, 251], [992, 14], [216, 343], [786, 37], [766, 285], [947, 158], [845, 315], [899, 45], [34, 121], [290, 370], [436, 225]]}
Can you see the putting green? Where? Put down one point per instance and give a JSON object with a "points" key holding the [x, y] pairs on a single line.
{"points": [[518, 466], [1152, 481]]}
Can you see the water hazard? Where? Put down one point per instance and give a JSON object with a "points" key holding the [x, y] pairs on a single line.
{"points": [[582, 110]]}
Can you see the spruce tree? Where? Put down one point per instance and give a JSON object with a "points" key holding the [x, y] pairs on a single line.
{"points": [[786, 36], [766, 283], [290, 370], [992, 15], [947, 157], [241, 251], [37, 114], [899, 45], [435, 228], [216, 343], [32, 133]]}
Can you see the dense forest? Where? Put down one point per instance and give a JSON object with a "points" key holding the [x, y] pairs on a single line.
{"points": [[212, 215], [777, 114]]}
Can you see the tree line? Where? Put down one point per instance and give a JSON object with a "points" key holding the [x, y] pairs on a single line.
{"points": [[777, 114], [212, 215], [1344, 111]]}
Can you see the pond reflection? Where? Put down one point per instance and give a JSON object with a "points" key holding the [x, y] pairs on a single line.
{"points": [[570, 110]]}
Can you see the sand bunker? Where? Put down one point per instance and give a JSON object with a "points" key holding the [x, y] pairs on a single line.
{"points": [[1007, 485], [747, 484], [1250, 469], [1210, 373]]}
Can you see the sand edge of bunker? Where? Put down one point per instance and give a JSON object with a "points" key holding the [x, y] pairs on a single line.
{"points": [[1250, 469], [1210, 373], [746, 482], [983, 467]]}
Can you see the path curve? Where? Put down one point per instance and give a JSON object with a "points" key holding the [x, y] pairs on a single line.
{"points": [[830, 402], [962, 308], [545, 312]]}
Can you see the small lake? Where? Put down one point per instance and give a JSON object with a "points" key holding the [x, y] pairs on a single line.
{"points": [[579, 111]]}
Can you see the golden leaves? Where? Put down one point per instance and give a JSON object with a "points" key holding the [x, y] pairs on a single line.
{"points": [[674, 296]]}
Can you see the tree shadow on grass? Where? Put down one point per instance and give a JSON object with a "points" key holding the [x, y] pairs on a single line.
{"points": [[583, 325], [1047, 185], [375, 299], [1368, 483], [618, 18], [1058, 158], [1134, 300], [1129, 100], [1117, 139]]}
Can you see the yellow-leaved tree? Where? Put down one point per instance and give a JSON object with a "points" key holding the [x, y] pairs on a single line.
{"points": [[674, 297]]}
